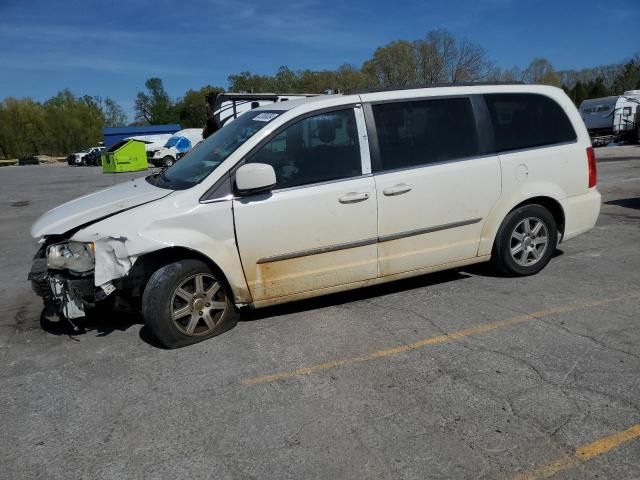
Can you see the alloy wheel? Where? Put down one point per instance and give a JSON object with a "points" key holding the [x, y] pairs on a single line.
{"points": [[529, 241], [198, 305]]}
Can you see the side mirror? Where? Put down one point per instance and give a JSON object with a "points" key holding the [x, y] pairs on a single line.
{"points": [[255, 178]]}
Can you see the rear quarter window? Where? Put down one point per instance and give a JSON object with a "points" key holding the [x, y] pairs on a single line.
{"points": [[527, 120]]}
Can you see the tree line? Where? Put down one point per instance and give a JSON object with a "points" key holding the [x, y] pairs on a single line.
{"points": [[67, 123]]}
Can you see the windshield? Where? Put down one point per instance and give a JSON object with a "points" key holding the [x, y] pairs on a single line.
{"points": [[208, 154], [172, 142]]}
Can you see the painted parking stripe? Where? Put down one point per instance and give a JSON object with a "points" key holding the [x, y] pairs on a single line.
{"points": [[582, 454], [436, 340]]}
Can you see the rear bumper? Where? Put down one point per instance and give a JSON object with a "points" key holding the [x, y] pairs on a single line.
{"points": [[581, 213]]}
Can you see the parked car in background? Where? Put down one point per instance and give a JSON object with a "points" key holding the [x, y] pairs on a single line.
{"points": [[176, 147], [303, 198], [79, 158], [93, 158]]}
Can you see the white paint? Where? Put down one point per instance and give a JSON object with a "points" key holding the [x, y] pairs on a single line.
{"points": [[334, 213], [96, 205]]}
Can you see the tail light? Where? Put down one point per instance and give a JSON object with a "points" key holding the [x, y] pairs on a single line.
{"points": [[593, 171]]}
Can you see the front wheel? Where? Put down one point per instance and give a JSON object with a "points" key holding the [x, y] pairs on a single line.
{"points": [[525, 241], [185, 302], [168, 161]]}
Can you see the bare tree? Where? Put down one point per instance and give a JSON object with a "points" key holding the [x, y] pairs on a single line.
{"points": [[470, 63]]}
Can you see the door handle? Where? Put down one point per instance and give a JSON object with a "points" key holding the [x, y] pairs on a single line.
{"points": [[397, 189], [354, 197]]}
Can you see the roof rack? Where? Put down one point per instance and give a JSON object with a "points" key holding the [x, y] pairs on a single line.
{"points": [[432, 85]]}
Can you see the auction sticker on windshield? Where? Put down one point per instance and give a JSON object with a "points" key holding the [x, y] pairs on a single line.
{"points": [[265, 117]]}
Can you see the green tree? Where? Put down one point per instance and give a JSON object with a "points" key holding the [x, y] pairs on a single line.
{"points": [[21, 128], [248, 82], [192, 109], [72, 123], [629, 77], [393, 65], [348, 78], [155, 105], [285, 80], [597, 88]]}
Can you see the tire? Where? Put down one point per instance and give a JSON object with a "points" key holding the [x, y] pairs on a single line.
{"points": [[519, 250], [168, 161], [180, 311]]}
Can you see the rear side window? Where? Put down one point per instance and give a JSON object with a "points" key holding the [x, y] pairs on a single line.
{"points": [[416, 133], [526, 120]]}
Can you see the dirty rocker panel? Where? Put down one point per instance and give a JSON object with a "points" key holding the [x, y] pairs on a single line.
{"points": [[421, 231], [316, 251], [369, 241]]}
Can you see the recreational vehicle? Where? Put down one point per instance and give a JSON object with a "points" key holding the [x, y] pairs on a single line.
{"points": [[615, 116], [225, 107]]}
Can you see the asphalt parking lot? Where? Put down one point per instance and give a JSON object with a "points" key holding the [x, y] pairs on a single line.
{"points": [[461, 374]]}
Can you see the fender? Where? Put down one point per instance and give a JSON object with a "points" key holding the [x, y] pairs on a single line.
{"points": [[207, 229], [507, 203]]}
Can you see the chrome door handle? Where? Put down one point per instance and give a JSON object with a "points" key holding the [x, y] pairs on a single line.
{"points": [[353, 197], [397, 189]]}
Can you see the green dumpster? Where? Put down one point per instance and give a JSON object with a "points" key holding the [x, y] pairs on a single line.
{"points": [[125, 156]]}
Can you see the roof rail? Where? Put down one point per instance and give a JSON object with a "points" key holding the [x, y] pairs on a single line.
{"points": [[432, 85]]}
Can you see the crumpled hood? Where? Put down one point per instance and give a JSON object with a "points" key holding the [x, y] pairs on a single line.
{"points": [[97, 205]]}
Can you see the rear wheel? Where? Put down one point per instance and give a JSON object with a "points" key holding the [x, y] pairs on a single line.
{"points": [[185, 302], [525, 241]]}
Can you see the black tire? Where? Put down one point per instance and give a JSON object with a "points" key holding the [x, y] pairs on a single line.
{"points": [[517, 264], [168, 161], [161, 298]]}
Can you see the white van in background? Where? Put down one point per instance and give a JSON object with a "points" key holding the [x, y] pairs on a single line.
{"points": [[302, 198], [178, 145], [151, 142]]}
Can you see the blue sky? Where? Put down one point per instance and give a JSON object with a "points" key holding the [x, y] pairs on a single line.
{"points": [[109, 48]]}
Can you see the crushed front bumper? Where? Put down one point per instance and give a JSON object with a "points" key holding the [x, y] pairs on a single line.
{"points": [[69, 295]]}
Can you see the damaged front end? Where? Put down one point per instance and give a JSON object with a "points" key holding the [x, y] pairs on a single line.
{"points": [[73, 277]]}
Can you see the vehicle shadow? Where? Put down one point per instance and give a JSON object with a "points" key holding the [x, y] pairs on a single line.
{"points": [[364, 293], [485, 269], [101, 323], [123, 318], [633, 202]]}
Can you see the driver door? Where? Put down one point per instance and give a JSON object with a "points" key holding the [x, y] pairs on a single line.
{"points": [[318, 228]]}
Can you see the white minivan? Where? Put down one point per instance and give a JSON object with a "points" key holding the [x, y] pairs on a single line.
{"points": [[307, 197]]}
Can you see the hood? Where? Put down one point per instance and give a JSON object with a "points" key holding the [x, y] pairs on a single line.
{"points": [[97, 205]]}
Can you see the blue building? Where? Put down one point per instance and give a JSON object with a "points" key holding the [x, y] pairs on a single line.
{"points": [[115, 134]]}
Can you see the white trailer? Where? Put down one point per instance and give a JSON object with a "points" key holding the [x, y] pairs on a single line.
{"points": [[597, 114], [627, 112], [612, 118], [225, 107]]}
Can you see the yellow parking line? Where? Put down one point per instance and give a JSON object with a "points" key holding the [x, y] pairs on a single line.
{"points": [[582, 454], [436, 340]]}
